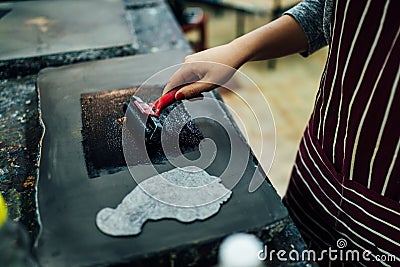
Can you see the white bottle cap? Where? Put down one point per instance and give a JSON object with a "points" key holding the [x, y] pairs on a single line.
{"points": [[240, 250]]}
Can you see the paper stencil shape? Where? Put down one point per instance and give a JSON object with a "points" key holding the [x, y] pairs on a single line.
{"points": [[185, 194]]}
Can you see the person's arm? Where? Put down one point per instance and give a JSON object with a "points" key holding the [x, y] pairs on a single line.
{"points": [[281, 37], [278, 38]]}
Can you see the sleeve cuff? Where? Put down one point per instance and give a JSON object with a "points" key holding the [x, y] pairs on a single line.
{"points": [[311, 22]]}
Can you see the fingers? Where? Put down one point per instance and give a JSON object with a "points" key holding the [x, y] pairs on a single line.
{"points": [[176, 80], [184, 75], [195, 77], [193, 90]]}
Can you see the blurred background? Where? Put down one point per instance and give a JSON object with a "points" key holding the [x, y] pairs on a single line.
{"points": [[289, 84]]}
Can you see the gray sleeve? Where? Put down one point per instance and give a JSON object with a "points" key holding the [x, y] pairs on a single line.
{"points": [[310, 15]]}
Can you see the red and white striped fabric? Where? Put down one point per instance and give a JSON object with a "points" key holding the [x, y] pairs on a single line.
{"points": [[346, 179]]}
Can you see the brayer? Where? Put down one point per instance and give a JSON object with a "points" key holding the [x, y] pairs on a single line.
{"points": [[145, 117]]}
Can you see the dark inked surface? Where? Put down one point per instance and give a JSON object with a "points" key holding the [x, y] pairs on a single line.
{"points": [[103, 120]]}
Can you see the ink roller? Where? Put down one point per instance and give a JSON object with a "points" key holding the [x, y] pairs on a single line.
{"points": [[150, 117]]}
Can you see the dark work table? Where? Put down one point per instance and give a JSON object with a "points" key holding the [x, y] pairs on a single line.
{"points": [[143, 27]]}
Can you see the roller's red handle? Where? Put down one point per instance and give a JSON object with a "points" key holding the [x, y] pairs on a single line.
{"points": [[164, 101]]}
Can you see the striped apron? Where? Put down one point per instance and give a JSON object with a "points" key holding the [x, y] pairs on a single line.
{"points": [[345, 183]]}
